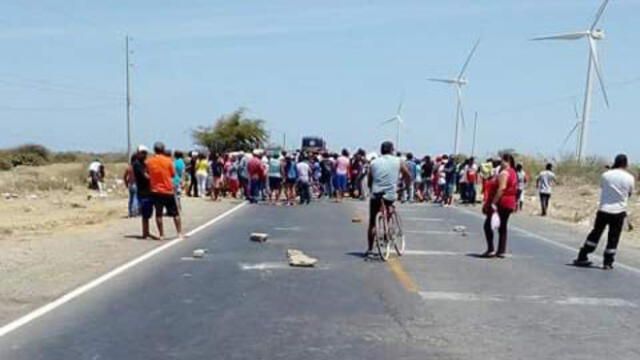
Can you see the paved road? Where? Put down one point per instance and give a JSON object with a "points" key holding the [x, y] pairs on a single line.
{"points": [[438, 302]]}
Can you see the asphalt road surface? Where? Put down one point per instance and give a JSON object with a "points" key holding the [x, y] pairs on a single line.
{"points": [[242, 301]]}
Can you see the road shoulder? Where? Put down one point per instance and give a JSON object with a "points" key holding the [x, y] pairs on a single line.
{"points": [[40, 269]]}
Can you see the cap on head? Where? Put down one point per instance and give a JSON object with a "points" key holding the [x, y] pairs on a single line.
{"points": [[143, 149]]}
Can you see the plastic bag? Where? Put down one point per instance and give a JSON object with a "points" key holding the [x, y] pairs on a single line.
{"points": [[495, 221]]}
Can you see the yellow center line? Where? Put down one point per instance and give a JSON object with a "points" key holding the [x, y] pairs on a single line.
{"points": [[401, 274]]}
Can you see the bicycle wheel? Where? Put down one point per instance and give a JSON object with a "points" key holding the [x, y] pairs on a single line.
{"points": [[381, 237], [398, 235]]}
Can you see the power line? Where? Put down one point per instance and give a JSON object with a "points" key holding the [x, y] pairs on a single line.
{"points": [[58, 108], [556, 100], [45, 85]]}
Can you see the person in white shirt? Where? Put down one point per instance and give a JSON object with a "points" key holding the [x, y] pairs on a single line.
{"points": [[616, 185], [304, 180], [96, 176], [544, 182]]}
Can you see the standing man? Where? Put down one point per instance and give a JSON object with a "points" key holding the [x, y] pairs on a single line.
{"points": [[145, 202], [545, 180], [472, 179], [409, 194], [178, 179], [304, 180], [161, 174], [616, 186], [342, 174], [255, 171], [275, 178], [326, 170], [193, 181], [243, 174], [450, 180], [129, 180]]}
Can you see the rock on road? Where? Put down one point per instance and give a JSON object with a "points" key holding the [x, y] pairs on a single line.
{"points": [[243, 301]]}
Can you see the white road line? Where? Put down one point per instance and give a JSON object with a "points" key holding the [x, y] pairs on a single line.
{"points": [[292, 228], [532, 299], [103, 278], [274, 265], [527, 233], [264, 266]]}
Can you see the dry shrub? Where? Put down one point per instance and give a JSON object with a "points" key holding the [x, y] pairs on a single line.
{"points": [[23, 179], [567, 168]]}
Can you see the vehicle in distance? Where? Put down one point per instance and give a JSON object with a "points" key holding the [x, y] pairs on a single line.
{"points": [[313, 144]]}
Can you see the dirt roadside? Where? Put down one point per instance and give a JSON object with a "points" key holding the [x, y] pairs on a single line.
{"points": [[575, 204], [40, 263]]}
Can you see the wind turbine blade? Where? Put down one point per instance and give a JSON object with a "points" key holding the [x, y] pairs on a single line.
{"points": [[568, 36], [446, 81], [399, 118], [575, 109], [464, 67], [599, 14], [596, 63], [389, 121], [400, 108], [566, 140]]}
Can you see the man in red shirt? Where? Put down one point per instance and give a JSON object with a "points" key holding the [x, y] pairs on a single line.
{"points": [[256, 174], [161, 172]]}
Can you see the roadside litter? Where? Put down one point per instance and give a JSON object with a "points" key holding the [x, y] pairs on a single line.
{"points": [[460, 229], [200, 253], [299, 259], [10, 196], [356, 219], [259, 237]]}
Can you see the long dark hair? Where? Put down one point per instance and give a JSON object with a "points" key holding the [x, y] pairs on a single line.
{"points": [[509, 159]]}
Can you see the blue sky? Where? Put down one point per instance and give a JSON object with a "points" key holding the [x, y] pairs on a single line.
{"points": [[331, 68]]}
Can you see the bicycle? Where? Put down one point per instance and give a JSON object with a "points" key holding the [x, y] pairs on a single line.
{"points": [[388, 231]]}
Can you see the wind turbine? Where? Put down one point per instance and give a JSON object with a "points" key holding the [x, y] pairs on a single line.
{"points": [[475, 132], [592, 35], [458, 82], [573, 129], [398, 120]]}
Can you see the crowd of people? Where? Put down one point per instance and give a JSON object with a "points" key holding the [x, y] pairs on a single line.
{"points": [[157, 183], [296, 178]]}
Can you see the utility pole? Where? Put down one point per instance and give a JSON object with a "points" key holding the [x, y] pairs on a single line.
{"points": [[475, 131], [128, 100], [398, 134], [284, 140]]}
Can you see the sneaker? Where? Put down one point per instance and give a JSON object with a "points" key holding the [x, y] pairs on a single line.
{"points": [[582, 263]]}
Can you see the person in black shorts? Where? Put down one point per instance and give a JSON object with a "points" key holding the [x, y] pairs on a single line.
{"points": [[161, 173], [145, 201]]}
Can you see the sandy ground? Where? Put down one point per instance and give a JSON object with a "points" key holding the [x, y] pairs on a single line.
{"points": [[577, 204], [52, 241]]}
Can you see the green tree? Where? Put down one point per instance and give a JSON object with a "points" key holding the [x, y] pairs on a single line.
{"points": [[232, 132]]}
